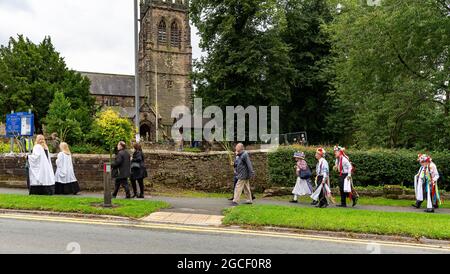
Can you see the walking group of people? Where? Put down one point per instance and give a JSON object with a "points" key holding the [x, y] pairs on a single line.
{"points": [[42, 180], [320, 193], [126, 167], [41, 177], [425, 182]]}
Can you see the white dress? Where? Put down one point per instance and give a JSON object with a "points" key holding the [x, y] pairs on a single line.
{"points": [[302, 187]]}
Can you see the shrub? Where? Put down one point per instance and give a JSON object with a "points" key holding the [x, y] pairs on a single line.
{"points": [[109, 129], [375, 167]]}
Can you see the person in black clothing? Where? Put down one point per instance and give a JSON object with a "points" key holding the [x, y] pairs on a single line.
{"points": [[138, 171], [121, 170]]}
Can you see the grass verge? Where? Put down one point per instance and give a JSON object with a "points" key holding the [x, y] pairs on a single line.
{"points": [[433, 226], [368, 201], [122, 208]]}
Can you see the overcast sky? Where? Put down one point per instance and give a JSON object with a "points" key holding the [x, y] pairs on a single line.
{"points": [[92, 35]]}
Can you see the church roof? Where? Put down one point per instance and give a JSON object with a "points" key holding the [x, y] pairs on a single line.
{"points": [[111, 84]]}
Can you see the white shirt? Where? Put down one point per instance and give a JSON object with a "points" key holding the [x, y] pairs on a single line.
{"points": [[322, 168], [346, 165], [64, 169], [41, 168]]}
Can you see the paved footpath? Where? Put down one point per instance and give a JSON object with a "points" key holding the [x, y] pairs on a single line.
{"points": [[215, 206]]}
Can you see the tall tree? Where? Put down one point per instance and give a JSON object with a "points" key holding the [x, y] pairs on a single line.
{"points": [[392, 67], [31, 74], [310, 50], [247, 61]]}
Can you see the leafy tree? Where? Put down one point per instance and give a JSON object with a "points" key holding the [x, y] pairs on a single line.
{"points": [[310, 50], [31, 74], [392, 72], [247, 62], [109, 129], [63, 119]]}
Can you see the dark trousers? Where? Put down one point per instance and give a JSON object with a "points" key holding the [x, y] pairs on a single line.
{"points": [[322, 198], [341, 189], [124, 183], [141, 186]]}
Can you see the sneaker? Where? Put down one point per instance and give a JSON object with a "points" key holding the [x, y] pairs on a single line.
{"points": [[234, 204], [323, 206], [315, 203]]}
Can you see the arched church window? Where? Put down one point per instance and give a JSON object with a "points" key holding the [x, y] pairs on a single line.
{"points": [[162, 32], [175, 35]]}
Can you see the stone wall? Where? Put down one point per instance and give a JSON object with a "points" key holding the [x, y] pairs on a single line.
{"points": [[209, 172]]}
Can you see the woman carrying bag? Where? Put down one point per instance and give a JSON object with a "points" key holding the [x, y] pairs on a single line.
{"points": [[138, 171], [303, 185]]}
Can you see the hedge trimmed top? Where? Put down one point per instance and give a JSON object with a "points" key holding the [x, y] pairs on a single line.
{"points": [[372, 167]]}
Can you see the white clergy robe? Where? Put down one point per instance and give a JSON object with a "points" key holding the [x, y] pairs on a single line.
{"points": [[64, 169], [41, 169]]}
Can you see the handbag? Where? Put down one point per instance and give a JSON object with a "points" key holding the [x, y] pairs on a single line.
{"points": [[135, 165], [305, 174]]}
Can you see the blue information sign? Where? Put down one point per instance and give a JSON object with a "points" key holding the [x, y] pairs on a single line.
{"points": [[20, 124]]}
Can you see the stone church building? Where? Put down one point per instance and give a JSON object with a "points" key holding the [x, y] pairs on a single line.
{"points": [[165, 65]]}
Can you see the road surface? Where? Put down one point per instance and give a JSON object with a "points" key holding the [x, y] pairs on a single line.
{"points": [[43, 237]]}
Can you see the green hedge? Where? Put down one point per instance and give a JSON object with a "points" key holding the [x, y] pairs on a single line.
{"points": [[372, 167]]}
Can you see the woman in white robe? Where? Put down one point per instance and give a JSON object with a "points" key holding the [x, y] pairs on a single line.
{"points": [[42, 178], [66, 182]]}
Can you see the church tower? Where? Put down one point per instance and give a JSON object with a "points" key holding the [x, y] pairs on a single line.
{"points": [[165, 61]]}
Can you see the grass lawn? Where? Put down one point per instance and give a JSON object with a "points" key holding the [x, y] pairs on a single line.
{"points": [[434, 226], [123, 208], [374, 201]]}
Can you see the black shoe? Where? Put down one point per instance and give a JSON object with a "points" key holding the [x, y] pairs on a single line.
{"points": [[323, 206], [429, 210], [253, 198], [141, 196], [234, 204], [355, 202], [417, 205], [314, 203], [293, 202]]}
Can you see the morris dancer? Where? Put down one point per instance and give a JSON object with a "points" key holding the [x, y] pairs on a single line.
{"points": [[323, 192], [345, 168], [303, 185], [426, 182]]}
